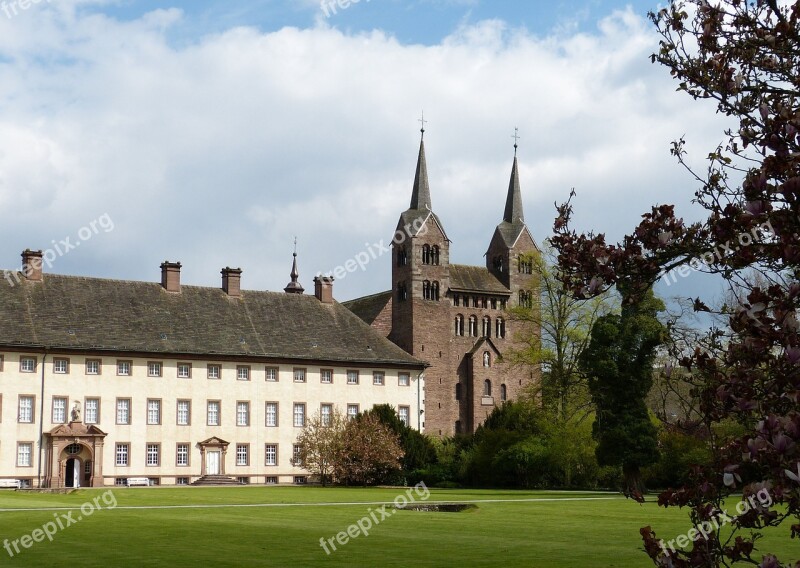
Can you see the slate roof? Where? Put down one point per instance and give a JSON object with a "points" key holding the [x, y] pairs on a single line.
{"points": [[369, 307], [475, 279], [96, 314]]}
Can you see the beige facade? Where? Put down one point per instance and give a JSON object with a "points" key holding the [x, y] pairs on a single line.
{"points": [[173, 420]]}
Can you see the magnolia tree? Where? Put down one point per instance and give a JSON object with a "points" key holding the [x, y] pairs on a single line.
{"points": [[745, 56]]}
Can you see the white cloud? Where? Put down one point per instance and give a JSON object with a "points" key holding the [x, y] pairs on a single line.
{"points": [[218, 152]]}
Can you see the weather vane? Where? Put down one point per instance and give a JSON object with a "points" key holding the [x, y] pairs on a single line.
{"points": [[516, 138], [422, 122]]}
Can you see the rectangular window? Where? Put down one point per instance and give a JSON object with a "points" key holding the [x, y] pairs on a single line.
{"points": [[25, 454], [91, 411], [153, 368], [352, 377], [184, 412], [243, 414], [242, 454], [352, 411], [403, 413], [214, 372], [403, 379], [213, 413], [61, 366], [299, 375], [124, 368], [299, 414], [271, 374], [27, 364], [123, 411], [184, 370], [1, 363], [271, 480], [92, 366], [272, 415], [271, 454], [59, 410], [153, 411], [297, 455], [377, 378], [243, 373], [26, 412], [153, 454], [326, 376], [182, 455], [122, 454], [325, 414]]}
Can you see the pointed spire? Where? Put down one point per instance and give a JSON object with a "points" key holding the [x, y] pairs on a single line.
{"points": [[421, 196], [294, 286], [513, 213]]}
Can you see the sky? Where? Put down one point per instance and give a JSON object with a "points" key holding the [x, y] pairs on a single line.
{"points": [[215, 133]]}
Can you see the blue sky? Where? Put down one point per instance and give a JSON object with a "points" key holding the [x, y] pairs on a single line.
{"points": [[214, 133], [410, 21]]}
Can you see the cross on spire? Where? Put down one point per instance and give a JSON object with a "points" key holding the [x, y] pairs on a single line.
{"points": [[516, 138], [422, 122]]}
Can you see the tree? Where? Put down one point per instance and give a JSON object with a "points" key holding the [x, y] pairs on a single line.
{"points": [[370, 451], [619, 363], [321, 444], [743, 55], [418, 450], [565, 323]]}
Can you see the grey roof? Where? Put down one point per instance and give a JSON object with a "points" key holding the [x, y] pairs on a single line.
{"points": [[93, 314], [369, 307], [421, 194], [475, 279], [513, 217]]}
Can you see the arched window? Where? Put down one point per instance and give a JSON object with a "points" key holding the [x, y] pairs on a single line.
{"points": [[435, 291], [473, 326], [500, 328], [402, 256], [499, 263], [458, 426], [487, 327], [458, 391], [402, 292], [426, 254], [503, 393], [459, 325], [525, 299], [487, 359], [426, 290], [525, 265], [435, 254], [487, 388]]}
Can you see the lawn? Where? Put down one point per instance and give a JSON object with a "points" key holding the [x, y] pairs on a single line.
{"points": [[282, 526]]}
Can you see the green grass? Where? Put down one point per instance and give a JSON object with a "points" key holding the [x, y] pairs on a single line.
{"points": [[552, 531]]}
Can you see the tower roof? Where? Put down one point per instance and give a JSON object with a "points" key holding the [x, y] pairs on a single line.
{"points": [[421, 195], [294, 286], [513, 213]]}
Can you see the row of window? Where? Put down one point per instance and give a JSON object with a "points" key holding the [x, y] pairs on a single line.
{"points": [[486, 327], [183, 412], [479, 302], [430, 255], [487, 390], [524, 264], [153, 458], [61, 366]]}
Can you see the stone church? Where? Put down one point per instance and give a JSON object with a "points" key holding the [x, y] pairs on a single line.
{"points": [[456, 317]]}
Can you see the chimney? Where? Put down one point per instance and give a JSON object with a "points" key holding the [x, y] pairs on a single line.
{"points": [[171, 276], [231, 281], [323, 289], [32, 265]]}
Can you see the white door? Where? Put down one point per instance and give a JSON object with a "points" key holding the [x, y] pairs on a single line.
{"points": [[212, 463]]}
